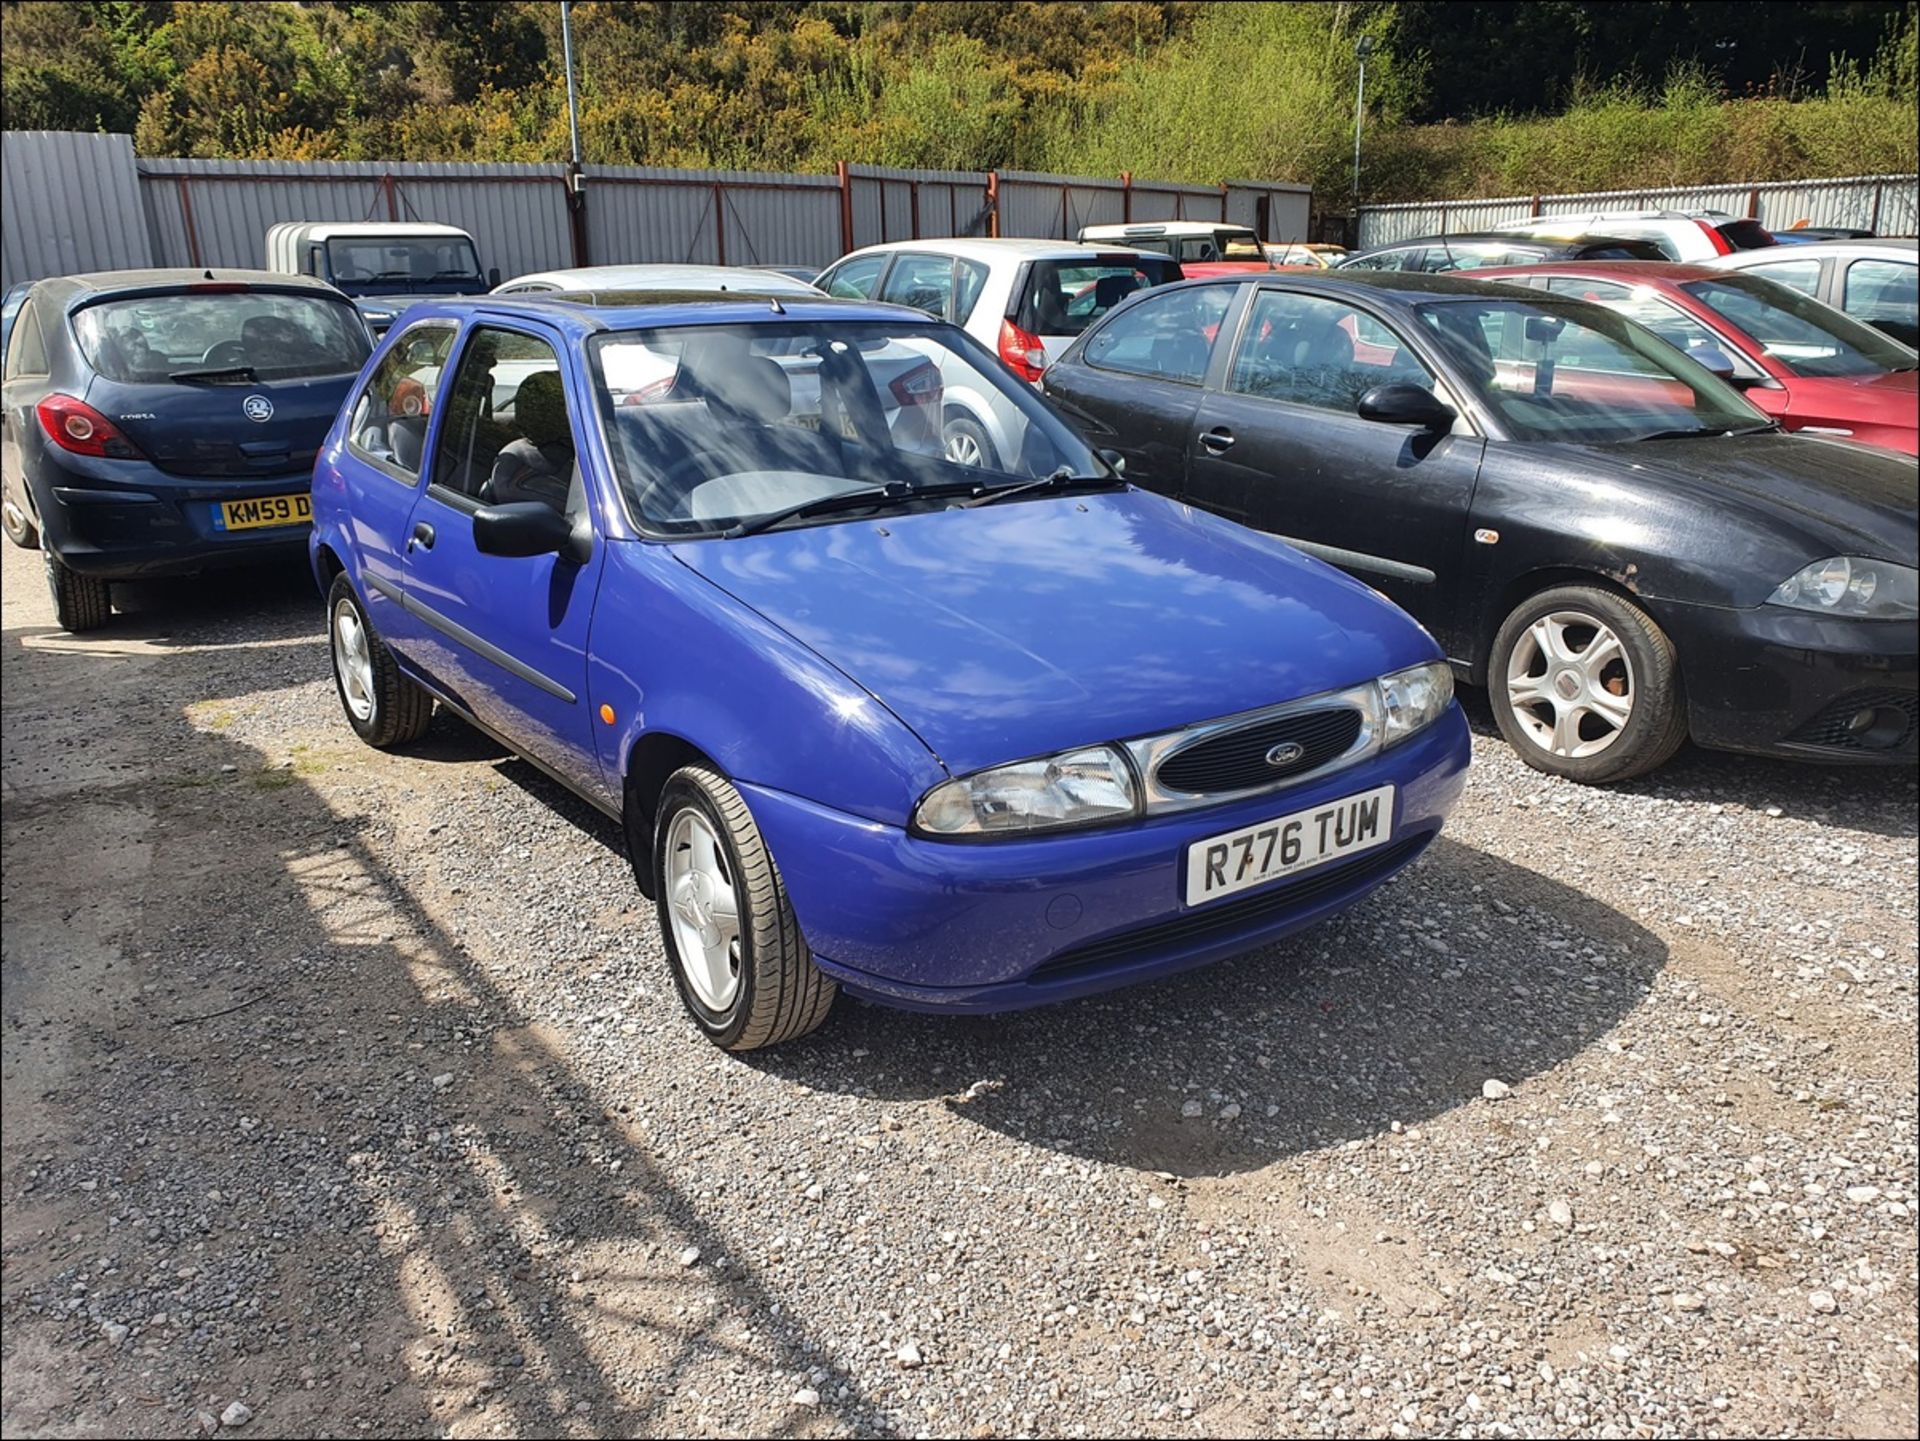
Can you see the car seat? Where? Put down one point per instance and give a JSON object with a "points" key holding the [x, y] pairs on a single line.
{"points": [[539, 464], [1049, 311], [1110, 290]]}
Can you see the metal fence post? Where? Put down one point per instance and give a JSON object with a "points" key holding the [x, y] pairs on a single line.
{"points": [[993, 202], [846, 205], [1126, 197]]}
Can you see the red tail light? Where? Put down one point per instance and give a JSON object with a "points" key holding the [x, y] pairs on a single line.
{"points": [[653, 390], [74, 425], [1022, 352], [1720, 246], [919, 386]]}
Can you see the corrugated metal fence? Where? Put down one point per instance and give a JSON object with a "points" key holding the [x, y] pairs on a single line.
{"points": [[1886, 204], [83, 202]]}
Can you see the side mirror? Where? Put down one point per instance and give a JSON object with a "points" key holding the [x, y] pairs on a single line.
{"points": [[1712, 358], [1115, 459], [522, 528], [1404, 403], [493, 277]]}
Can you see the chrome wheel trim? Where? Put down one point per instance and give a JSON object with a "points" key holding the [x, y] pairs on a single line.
{"points": [[353, 660], [705, 908], [1585, 680], [963, 449]]}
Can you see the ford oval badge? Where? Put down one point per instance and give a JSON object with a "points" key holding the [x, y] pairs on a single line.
{"points": [[1285, 754], [257, 407]]}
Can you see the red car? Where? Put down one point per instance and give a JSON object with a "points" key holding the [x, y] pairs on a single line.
{"points": [[1805, 364]]}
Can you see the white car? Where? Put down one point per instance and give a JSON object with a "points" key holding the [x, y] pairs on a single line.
{"points": [[1690, 236], [1876, 281], [1025, 300]]}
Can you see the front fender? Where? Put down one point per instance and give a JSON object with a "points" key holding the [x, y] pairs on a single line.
{"points": [[673, 654]]}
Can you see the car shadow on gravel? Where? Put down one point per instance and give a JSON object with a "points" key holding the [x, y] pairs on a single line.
{"points": [[360, 1118], [1881, 800], [1466, 968]]}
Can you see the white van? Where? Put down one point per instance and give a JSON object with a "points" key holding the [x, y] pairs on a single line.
{"points": [[385, 265]]}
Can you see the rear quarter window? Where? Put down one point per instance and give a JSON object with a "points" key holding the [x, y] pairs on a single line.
{"points": [[244, 336]]}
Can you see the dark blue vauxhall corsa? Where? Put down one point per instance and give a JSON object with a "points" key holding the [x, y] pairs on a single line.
{"points": [[162, 422], [948, 737]]}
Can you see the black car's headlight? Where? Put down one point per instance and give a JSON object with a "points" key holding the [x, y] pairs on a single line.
{"points": [[1074, 788], [1848, 585]]}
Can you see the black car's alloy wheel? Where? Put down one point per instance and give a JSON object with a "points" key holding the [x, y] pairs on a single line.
{"points": [[1585, 685], [735, 949]]}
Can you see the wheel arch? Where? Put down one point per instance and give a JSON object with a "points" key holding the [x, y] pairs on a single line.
{"points": [[1502, 602], [654, 757]]}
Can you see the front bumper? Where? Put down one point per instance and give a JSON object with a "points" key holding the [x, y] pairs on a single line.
{"points": [[119, 520], [997, 926], [1782, 682]]}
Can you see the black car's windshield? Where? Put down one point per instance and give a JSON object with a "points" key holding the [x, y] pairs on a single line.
{"points": [[1798, 331], [396, 261], [1567, 370], [220, 335], [715, 427]]}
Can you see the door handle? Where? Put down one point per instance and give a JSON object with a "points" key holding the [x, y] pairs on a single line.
{"points": [[422, 536], [1217, 441]]}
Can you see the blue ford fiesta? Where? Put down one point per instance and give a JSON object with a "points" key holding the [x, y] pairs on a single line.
{"points": [[947, 737]]}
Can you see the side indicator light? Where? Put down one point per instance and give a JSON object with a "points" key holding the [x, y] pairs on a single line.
{"points": [[606, 714], [1487, 537]]}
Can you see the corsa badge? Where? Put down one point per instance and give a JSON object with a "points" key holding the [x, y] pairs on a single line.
{"points": [[257, 407]]}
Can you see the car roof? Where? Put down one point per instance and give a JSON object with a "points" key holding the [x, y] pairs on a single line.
{"points": [[72, 290], [666, 277], [1877, 246], [1004, 247], [1499, 237], [1638, 272], [1412, 284], [327, 229], [1162, 227], [587, 312]]}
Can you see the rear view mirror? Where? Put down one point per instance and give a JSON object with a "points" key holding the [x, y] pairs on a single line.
{"points": [[1115, 459], [1712, 358], [523, 528], [1404, 403], [1544, 329], [493, 277]]}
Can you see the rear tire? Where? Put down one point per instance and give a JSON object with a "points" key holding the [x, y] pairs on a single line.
{"points": [[741, 966], [17, 524], [965, 441], [80, 602], [1584, 685], [384, 707]]}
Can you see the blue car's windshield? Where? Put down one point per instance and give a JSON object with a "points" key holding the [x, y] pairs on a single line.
{"points": [[713, 427]]}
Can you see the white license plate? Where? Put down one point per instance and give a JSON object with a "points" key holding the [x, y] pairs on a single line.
{"points": [[1239, 860]]}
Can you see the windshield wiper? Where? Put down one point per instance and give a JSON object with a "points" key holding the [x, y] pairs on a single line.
{"points": [[1686, 432], [392, 275], [891, 492], [217, 374], [456, 275], [1061, 479]]}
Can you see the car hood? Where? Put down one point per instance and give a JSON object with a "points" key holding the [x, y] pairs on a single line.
{"points": [[1885, 399], [1017, 629], [1827, 497]]}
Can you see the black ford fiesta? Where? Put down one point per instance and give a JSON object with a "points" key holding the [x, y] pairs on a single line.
{"points": [[1596, 527]]}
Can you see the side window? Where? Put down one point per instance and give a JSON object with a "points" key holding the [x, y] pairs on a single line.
{"points": [[1309, 351], [856, 278], [506, 435], [1405, 258], [1884, 293], [1168, 336], [27, 350], [923, 281], [1662, 317], [389, 422], [316, 261], [970, 278], [1800, 275]]}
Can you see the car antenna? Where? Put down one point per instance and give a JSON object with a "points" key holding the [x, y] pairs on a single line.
{"points": [[778, 308], [209, 275]]}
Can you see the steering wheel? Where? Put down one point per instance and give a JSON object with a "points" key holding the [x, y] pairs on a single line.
{"points": [[225, 353]]}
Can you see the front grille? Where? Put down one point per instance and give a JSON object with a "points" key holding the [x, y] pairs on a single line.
{"points": [[1833, 725], [1213, 922], [1237, 759]]}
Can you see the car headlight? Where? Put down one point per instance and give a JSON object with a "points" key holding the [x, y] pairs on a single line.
{"points": [[1074, 788], [1849, 585], [1413, 699]]}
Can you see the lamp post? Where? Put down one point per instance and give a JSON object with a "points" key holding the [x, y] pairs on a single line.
{"points": [[573, 99], [576, 177], [1362, 48]]}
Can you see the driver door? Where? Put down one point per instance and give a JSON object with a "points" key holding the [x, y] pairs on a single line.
{"points": [[1279, 446], [506, 636]]}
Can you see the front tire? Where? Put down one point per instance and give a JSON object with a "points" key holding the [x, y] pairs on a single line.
{"points": [[80, 602], [1585, 685], [384, 707], [738, 959]]}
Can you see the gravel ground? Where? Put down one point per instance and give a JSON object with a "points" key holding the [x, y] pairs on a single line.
{"points": [[347, 1094]]}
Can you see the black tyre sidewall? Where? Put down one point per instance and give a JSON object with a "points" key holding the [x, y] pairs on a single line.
{"points": [[1656, 727], [80, 602], [724, 1027]]}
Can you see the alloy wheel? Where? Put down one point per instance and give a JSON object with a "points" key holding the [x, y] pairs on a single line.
{"points": [[705, 909], [353, 660], [1570, 684]]}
